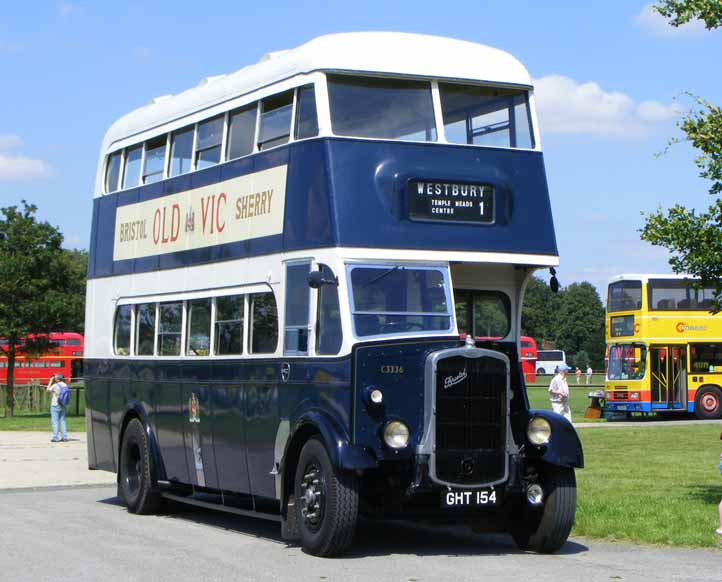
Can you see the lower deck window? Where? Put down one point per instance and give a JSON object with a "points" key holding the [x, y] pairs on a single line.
{"points": [[145, 329], [627, 362], [264, 323], [705, 357], [483, 313], [394, 299], [169, 330], [229, 325]]}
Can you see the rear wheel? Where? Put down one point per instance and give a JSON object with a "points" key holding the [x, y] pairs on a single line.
{"points": [[541, 371], [326, 502], [547, 528], [135, 484], [708, 403]]}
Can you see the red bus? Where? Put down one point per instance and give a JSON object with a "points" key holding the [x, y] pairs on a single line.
{"points": [[66, 358], [528, 356]]}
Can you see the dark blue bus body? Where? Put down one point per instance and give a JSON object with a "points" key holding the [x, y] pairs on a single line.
{"points": [[256, 414]]}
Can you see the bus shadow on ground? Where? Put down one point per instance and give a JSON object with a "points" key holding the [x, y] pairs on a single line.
{"points": [[373, 538]]}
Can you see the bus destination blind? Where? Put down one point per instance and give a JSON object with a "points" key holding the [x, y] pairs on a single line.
{"points": [[450, 202]]}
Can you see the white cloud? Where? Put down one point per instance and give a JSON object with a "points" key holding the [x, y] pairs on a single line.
{"points": [[657, 25], [14, 166], [566, 106], [9, 142]]}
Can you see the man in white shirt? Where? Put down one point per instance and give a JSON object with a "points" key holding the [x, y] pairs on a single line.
{"points": [[559, 393], [57, 411], [589, 374]]}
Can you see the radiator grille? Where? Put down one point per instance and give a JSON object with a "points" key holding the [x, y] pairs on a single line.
{"points": [[471, 420]]}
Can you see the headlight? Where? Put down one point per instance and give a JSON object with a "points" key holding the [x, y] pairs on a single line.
{"points": [[608, 395], [634, 396], [396, 434], [539, 431]]}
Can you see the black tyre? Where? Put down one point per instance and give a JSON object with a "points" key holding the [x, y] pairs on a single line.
{"points": [[546, 529], [326, 502], [541, 371], [708, 403], [135, 484]]}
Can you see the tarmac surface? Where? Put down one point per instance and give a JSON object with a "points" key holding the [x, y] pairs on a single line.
{"points": [[60, 521], [83, 534], [29, 459]]}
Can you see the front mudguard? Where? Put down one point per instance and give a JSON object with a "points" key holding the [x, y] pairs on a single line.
{"points": [[344, 455], [564, 447]]}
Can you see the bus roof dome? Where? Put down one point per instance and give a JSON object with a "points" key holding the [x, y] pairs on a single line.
{"points": [[394, 53]]}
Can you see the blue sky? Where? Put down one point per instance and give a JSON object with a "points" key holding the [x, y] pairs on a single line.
{"points": [[610, 82]]}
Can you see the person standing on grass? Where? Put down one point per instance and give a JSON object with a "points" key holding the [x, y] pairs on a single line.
{"points": [[56, 385], [589, 374], [559, 393], [578, 374]]}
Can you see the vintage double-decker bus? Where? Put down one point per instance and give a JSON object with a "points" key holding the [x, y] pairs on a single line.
{"points": [[664, 347], [282, 260], [528, 354], [64, 356]]}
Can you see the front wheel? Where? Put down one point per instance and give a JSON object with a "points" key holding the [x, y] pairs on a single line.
{"points": [[708, 403], [326, 502], [135, 484], [547, 528]]}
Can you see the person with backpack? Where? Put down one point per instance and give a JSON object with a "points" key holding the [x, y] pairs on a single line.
{"points": [[58, 406]]}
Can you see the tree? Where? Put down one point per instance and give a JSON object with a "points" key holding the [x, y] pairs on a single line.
{"points": [[581, 359], [580, 322], [38, 286], [695, 239], [538, 312]]}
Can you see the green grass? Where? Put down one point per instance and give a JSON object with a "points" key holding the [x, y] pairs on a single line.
{"points": [[578, 400], [656, 485], [38, 421]]}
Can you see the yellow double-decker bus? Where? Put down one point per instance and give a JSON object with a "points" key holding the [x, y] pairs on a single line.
{"points": [[664, 347]]}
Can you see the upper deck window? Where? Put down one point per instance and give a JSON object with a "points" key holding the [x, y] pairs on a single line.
{"points": [[112, 172], [487, 116], [241, 131], [678, 295], [208, 142], [381, 108], [306, 118], [153, 166], [181, 151], [275, 120], [131, 175], [624, 296], [397, 299]]}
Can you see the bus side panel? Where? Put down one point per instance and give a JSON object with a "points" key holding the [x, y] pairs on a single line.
{"points": [[97, 402], [229, 441], [169, 420], [262, 420], [119, 389]]}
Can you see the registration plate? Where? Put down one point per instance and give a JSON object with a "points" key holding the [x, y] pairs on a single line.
{"points": [[621, 407], [473, 498]]}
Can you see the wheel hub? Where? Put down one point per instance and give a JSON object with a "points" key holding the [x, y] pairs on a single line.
{"points": [[710, 402], [312, 496]]}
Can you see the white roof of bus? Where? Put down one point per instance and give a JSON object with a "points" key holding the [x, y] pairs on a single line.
{"points": [[392, 53], [646, 277]]}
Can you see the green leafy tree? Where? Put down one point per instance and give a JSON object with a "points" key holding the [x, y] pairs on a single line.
{"points": [[39, 287], [581, 359], [538, 312], [680, 12], [695, 239], [580, 322]]}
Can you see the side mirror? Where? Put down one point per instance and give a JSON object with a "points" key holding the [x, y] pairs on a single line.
{"points": [[316, 280]]}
